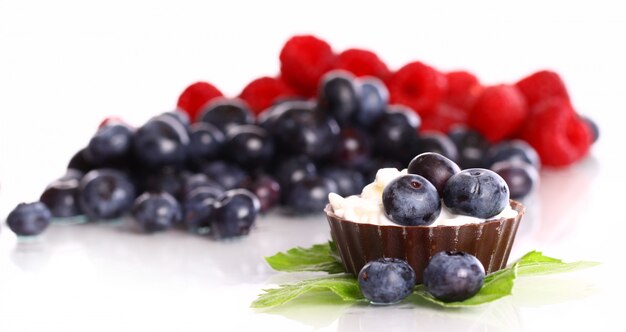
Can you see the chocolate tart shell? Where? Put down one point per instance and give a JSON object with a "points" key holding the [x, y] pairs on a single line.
{"points": [[359, 243]]}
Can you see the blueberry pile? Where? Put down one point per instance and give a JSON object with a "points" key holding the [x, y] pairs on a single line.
{"points": [[215, 175]]}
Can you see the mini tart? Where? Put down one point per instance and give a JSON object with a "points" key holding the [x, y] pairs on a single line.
{"points": [[359, 243]]}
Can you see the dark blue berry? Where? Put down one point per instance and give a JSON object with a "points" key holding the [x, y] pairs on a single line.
{"points": [[521, 177], [227, 175], [166, 179], [373, 99], [386, 280], [179, 115], [435, 168], [476, 192], [249, 146], [395, 134], [234, 214], [410, 200], [310, 195], [28, 219], [437, 143], [61, 197], [225, 113], [348, 181], [338, 95], [353, 148], [513, 150], [80, 162], [205, 142], [155, 212], [191, 182], [110, 143], [266, 189], [453, 276], [106, 194], [161, 141], [471, 146], [198, 208], [293, 170]]}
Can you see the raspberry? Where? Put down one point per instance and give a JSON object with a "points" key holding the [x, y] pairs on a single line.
{"points": [[463, 89], [362, 63], [195, 96], [541, 86], [558, 134], [443, 119], [499, 112], [111, 120], [263, 92], [418, 86], [303, 61]]}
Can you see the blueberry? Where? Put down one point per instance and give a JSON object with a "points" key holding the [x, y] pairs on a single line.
{"points": [[28, 219], [348, 181], [224, 113], [266, 189], [353, 147], [161, 141], [521, 177], [110, 143], [471, 146], [198, 208], [294, 169], [155, 212], [395, 134], [435, 168], [513, 150], [227, 175], [373, 99], [453, 276], [476, 192], [105, 194], [81, 163], [249, 146], [386, 280], [410, 200], [165, 178], [234, 214], [191, 182], [437, 143], [61, 197], [310, 195], [593, 128], [205, 142], [179, 115], [338, 95]]}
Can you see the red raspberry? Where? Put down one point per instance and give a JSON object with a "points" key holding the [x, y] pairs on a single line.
{"points": [[111, 120], [558, 134], [195, 96], [443, 119], [499, 112], [363, 63], [263, 92], [418, 86], [541, 86], [303, 61], [463, 89]]}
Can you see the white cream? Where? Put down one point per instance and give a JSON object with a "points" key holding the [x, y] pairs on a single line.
{"points": [[368, 207]]}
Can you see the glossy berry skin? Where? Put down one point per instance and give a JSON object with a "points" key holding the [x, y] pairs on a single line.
{"points": [[160, 142], [106, 194], [476, 192], [353, 147], [310, 195], [499, 112], [395, 134], [471, 146], [520, 176], [109, 143], [29, 219], [349, 181], [541, 86], [266, 189], [292, 170], [435, 168], [234, 214], [453, 276], [373, 99], [80, 162], [304, 59], [338, 96], [513, 150], [362, 63], [386, 280], [195, 96], [198, 208], [156, 212], [250, 146], [410, 200], [227, 175], [206, 142], [167, 179], [61, 197], [262, 92], [179, 115], [191, 182], [418, 86], [437, 143], [224, 113]]}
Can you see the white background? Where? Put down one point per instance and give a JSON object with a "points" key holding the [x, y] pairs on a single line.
{"points": [[65, 65]]}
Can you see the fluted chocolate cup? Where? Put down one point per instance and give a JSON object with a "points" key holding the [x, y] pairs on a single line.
{"points": [[359, 243]]}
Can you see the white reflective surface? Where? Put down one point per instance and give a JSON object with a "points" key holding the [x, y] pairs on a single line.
{"points": [[65, 65]]}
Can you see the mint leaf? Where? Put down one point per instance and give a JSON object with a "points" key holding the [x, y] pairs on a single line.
{"points": [[345, 286], [535, 263], [497, 285], [318, 258]]}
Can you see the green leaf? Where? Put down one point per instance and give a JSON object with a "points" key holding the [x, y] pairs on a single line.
{"points": [[497, 285], [345, 286], [535, 263], [318, 258]]}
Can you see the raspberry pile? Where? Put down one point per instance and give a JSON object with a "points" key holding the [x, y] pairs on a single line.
{"points": [[326, 124]]}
